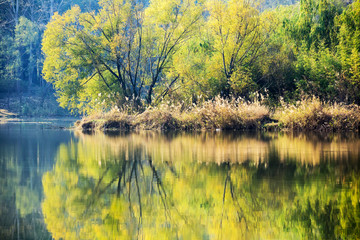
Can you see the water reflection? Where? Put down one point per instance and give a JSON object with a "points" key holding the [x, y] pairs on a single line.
{"points": [[26, 152], [204, 186]]}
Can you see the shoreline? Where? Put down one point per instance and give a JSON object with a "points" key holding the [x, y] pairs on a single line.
{"points": [[306, 115], [102, 125], [215, 115], [114, 125]]}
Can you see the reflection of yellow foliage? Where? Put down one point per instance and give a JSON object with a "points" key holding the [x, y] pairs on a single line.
{"points": [[304, 149], [221, 148], [201, 148], [181, 186]]}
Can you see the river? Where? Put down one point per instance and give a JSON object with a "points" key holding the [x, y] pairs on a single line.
{"points": [[62, 184]]}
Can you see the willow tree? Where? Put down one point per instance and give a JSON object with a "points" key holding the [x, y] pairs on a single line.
{"points": [[118, 54]]}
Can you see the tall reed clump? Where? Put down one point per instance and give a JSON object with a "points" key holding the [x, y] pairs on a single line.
{"points": [[312, 114], [223, 114], [213, 114], [162, 117]]}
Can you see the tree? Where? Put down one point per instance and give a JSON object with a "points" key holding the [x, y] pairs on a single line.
{"points": [[349, 47], [306, 62], [275, 71], [8, 64], [120, 54], [26, 37], [238, 32], [316, 23], [192, 64]]}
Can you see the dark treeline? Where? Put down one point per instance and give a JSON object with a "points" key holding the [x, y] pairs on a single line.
{"points": [[22, 24], [282, 48]]}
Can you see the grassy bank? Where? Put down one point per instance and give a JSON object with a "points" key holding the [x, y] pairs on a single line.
{"points": [[314, 115], [34, 104], [308, 114], [211, 115]]}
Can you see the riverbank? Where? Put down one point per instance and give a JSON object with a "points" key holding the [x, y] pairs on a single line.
{"points": [[32, 105], [211, 115], [313, 115], [306, 115]]}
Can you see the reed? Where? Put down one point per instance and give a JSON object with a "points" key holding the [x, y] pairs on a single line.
{"points": [[306, 114], [213, 114], [312, 114]]}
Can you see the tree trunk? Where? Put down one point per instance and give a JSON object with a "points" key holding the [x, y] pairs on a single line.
{"points": [[51, 9], [16, 12], [30, 67]]}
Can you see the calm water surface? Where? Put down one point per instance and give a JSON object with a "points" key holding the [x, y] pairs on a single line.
{"points": [[68, 185]]}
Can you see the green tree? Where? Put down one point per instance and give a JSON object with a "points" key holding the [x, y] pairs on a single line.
{"points": [[318, 73], [314, 22], [220, 58], [238, 32], [8, 64], [349, 47], [274, 73], [192, 63], [26, 37], [308, 63]]}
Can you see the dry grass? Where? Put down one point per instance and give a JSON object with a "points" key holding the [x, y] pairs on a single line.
{"points": [[214, 114], [113, 119], [223, 114], [307, 114], [312, 114]]}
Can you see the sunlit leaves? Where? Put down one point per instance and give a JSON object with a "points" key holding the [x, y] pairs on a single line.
{"points": [[349, 46], [120, 52]]}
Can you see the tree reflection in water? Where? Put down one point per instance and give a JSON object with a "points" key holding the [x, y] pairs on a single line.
{"points": [[203, 187]]}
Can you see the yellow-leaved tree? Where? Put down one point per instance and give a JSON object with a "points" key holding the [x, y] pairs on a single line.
{"points": [[222, 55], [119, 54], [238, 31]]}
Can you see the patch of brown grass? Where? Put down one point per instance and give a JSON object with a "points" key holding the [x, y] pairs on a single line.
{"points": [[163, 117], [114, 119], [307, 114], [312, 114], [213, 114], [223, 114]]}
